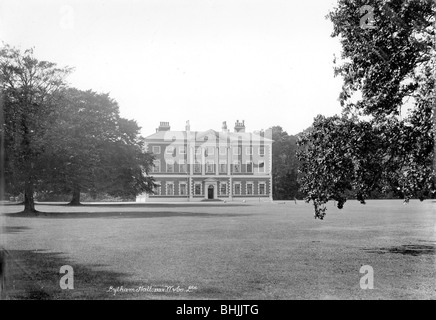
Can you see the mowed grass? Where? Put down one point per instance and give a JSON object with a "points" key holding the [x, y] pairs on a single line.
{"points": [[222, 250]]}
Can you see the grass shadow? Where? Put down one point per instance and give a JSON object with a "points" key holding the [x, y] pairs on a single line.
{"points": [[148, 205], [407, 249], [35, 275], [12, 229], [124, 214]]}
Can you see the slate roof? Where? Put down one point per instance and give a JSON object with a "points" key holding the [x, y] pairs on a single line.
{"points": [[199, 135]]}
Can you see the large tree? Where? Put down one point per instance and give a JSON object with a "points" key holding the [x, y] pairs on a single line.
{"points": [[29, 91], [384, 139], [124, 170], [94, 150]]}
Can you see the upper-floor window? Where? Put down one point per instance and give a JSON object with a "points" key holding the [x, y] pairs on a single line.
{"points": [[210, 151], [156, 166], [223, 167], [237, 151], [156, 149], [170, 150], [237, 166], [210, 167], [261, 151], [170, 167], [182, 150], [249, 166], [261, 166], [198, 151], [197, 167], [183, 167], [223, 151], [249, 151]]}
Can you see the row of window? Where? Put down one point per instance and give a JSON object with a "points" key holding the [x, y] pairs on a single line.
{"points": [[209, 168], [209, 151], [198, 189]]}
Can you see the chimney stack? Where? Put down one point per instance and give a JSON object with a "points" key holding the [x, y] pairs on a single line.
{"points": [[188, 126], [164, 126], [224, 127], [240, 126]]}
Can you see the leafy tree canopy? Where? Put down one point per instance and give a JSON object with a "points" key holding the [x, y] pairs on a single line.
{"points": [[384, 139], [29, 94], [63, 140], [285, 165], [94, 150]]}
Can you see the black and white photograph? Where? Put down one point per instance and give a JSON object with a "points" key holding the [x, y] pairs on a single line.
{"points": [[215, 154]]}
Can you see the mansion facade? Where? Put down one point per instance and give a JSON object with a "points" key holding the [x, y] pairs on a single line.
{"points": [[210, 165]]}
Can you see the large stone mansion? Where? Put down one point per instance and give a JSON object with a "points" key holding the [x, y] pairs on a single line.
{"points": [[210, 165]]}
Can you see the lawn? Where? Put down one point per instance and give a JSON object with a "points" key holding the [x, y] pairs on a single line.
{"points": [[221, 251]]}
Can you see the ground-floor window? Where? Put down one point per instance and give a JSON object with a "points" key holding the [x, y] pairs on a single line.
{"points": [[223, 189], [197, 189], [237, 189], [156, 189], [183, 189], [249, 188], [261, 188], [170, 188]]}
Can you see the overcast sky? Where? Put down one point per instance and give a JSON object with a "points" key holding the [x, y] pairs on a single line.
{"points": [[266, 62]]}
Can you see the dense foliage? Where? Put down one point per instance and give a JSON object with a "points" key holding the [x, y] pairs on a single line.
{"points": [[284, 165], [61, 140], [29, 92], [384, 139]]}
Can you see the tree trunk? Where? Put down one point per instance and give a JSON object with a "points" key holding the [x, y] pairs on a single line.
{"points": [[2, 274], [29, 201], [75, 201]]}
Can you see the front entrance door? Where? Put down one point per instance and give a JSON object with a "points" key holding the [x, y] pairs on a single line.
{"points": [[210, 192]]}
